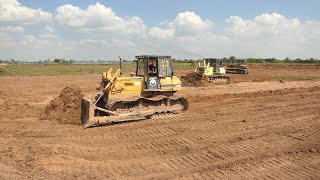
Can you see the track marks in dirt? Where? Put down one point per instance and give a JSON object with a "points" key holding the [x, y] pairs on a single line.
{"points": [[287, 167], [254, 136]]}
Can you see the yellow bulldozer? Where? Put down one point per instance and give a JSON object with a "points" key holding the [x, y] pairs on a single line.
{"points": [[147, 92], [211, 71]]}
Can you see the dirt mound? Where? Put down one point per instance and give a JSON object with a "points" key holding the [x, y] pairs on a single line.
{"points": [[195, 80], [66, 107]]}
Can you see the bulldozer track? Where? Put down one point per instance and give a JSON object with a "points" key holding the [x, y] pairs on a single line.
{"points": [[99, 113]]}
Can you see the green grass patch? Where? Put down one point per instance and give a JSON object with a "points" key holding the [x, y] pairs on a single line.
{"points": [[73, 69], [185, 66], [59, 69], [297, 78]]}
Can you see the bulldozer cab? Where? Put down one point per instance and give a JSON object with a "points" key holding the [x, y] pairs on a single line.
{"points": [[215, 63], [155, 69], [241, 62], [238, 62]]}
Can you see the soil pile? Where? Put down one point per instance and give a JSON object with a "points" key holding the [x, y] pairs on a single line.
{"points": [[66, 107], [195, 80]]}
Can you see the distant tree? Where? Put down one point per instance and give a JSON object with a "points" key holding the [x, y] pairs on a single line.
{"points": [[287, 60], [311, 60], [270, 60], [231, 59], [60, 61], [298, 60], [57, 61]]}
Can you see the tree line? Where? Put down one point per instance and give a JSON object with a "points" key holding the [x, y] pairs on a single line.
{"points": [[255, 60], [192, 61]]}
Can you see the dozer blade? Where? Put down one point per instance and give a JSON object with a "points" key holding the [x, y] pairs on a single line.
{"points": [[88, 118], [87, 113]]}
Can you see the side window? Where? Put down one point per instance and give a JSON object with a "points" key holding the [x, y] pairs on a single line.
{"points": [[164, 67], [141, 69]]}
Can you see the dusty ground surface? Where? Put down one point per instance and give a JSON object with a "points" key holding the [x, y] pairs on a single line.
{"points": [[253, 128]]}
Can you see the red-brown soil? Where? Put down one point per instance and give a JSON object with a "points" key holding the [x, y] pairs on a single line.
{"points": [[253, 128], [194, 79]]}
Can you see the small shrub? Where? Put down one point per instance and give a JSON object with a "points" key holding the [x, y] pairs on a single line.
{"points": [[2, 71]]}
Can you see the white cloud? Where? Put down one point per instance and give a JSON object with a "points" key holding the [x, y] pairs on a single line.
{"points": [[34, 41], [48, 30], [264, 24], [123, 43], [12, 29], [189, 23], [266, 35], [184, 36], [185, 24], [273, 35], [156, 32], [6, 41], [48, 33], [98, 18], [310, 31], [13, 11], [113, 43], [95, 43], [46, 39], [109, 49]]}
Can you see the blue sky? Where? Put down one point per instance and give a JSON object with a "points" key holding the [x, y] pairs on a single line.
{"points": [[213, 9], [247, 28]]}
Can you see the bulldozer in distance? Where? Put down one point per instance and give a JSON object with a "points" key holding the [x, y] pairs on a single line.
{"points": [[211, 71], [149, 91], [237, 67]]}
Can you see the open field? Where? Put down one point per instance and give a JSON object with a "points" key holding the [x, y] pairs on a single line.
{"points": [[57, 69], [257, 127]]}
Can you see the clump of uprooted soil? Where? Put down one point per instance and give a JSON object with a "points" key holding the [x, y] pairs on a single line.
{"points": [[66, 107], [195, 80]]}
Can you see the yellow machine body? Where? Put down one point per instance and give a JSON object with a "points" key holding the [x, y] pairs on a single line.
{"points": [[210, 71], [124, 87], [207, 69], [129, 98]]}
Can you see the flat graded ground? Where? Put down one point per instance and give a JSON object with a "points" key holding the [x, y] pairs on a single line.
{"points": [[254, 128]]}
